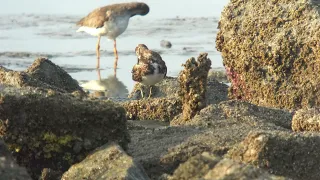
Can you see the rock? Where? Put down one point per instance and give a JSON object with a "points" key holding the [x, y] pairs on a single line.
{"points": [[107, 162], [229, 123], [219, 75], [228, 169], [166, 88], [165, 44], [41, 76], [306, 120], [216, 91], [149, 143], [195, 167], [163, 109], [286, 154], [49, 174], [56, 130], [45, 71], [270, 51], [242, 112], [193, 86], [206, 166], [9, 169]]}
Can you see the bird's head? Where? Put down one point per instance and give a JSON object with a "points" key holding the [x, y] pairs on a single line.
{"points": [[139, 8], [139, 48]]}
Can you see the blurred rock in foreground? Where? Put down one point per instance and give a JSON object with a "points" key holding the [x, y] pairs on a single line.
{"points": [[106, 162], [206, 166], [9, 170], [54, 130]]}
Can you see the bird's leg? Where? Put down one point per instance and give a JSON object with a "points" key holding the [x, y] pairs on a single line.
{"points": [[115, 54], [114, 72], [98, 53], [99, 76], [150, 92]]}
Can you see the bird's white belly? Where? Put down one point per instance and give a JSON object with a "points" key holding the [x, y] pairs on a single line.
{"points": [[152, 79], [110, 29], [93, 31]]}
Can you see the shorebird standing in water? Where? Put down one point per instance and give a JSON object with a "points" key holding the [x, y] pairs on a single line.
{"points": [[111, 21], [150, 68]]}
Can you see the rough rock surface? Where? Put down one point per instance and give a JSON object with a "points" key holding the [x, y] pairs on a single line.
{"points": [[42, 74], [193, 85], [56, 130], [150, 142], [9, 170], [166, 88], [242, 112], [230, 122], [106, 162], [206, 166], [195, 167], [271, 51], [49, 174], [216, 91], [286, 154], [227, 169], [162, 109], [306, 120], [219, 74]]}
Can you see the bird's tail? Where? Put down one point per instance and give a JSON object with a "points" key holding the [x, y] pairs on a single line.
{"points": [[80, 29]]}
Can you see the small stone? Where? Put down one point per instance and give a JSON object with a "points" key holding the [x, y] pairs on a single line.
{"points": [[165, 44]]}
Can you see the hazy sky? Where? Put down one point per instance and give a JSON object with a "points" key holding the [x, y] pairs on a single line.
{"points": [[158, 8]]}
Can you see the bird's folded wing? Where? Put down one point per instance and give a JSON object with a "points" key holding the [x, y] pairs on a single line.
{"points": [[95, 19]]}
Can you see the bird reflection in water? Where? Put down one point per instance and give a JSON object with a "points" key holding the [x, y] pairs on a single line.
{"points": [[110, 87]]}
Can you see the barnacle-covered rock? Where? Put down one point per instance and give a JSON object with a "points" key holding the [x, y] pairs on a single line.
{"points": [[306, 120], [193, 86], [270, 50]]}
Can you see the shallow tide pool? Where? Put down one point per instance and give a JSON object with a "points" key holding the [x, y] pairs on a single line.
{"points": [[47, 28]]}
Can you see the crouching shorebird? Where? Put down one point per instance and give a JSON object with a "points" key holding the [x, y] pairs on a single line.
{"points": [[150, 68], [111, 21]]}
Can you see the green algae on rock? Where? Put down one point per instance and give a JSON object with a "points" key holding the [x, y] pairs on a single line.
{"points": [[57, 130], [271, 51], [106, 162]]}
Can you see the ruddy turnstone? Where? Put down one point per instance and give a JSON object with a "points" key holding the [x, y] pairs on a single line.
{"points": [[150, 68], [111, 21]]}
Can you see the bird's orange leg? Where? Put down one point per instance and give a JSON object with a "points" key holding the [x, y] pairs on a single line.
{"points": [[98, 53], [99, 75], [115, 53]]}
